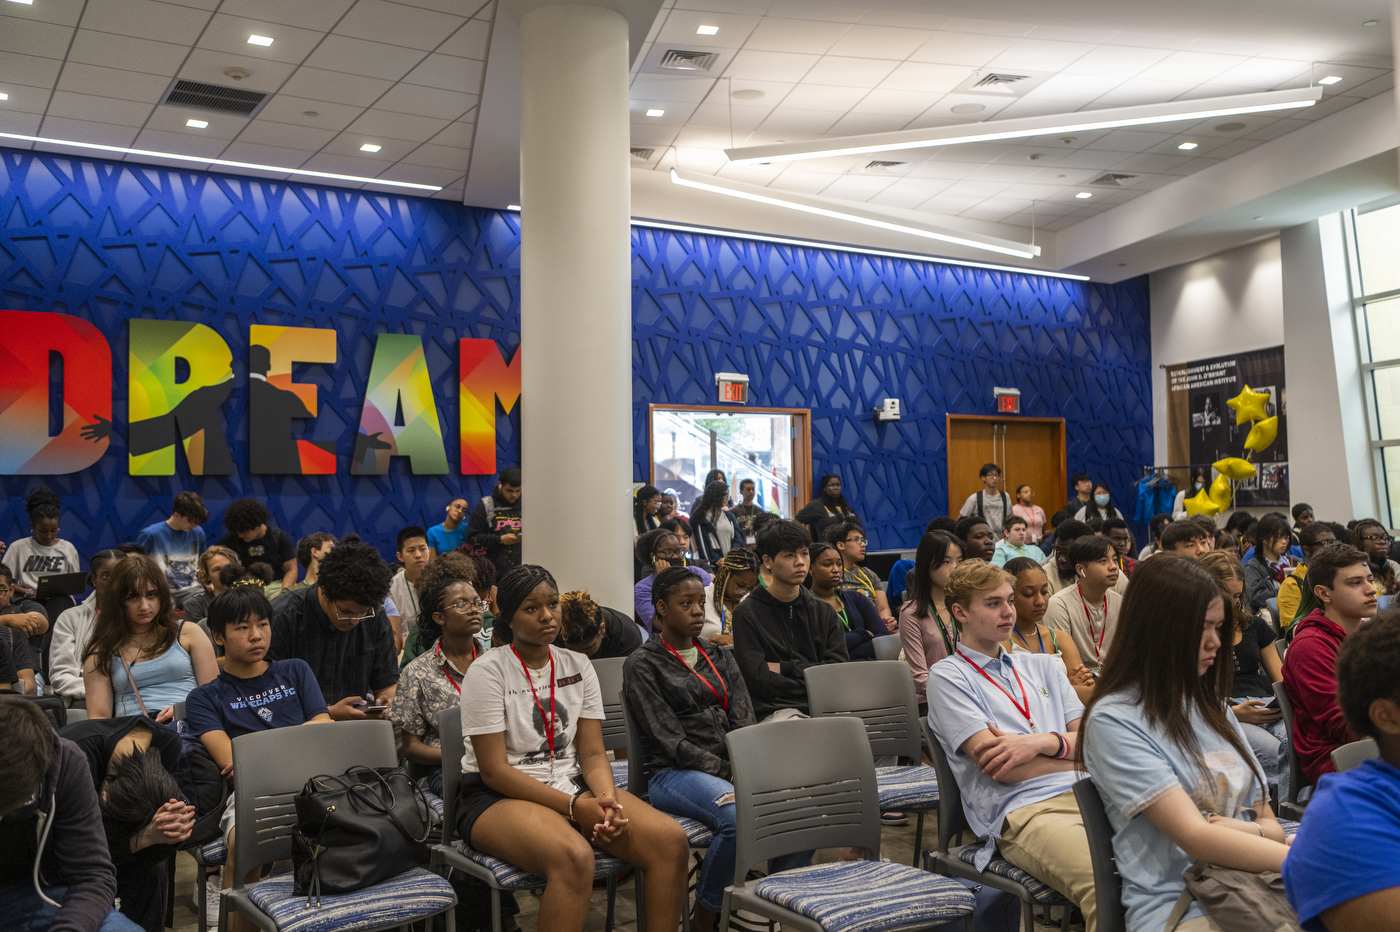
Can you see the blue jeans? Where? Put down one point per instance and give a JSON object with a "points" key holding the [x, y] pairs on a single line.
{"points": [[22, 910], [692, 793]]}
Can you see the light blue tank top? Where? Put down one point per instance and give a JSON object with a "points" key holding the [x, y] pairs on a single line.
{"points": [[163, 681]]}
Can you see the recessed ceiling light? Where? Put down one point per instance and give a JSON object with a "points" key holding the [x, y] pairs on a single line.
{"points": [[707, 30], [4, 96], [512, 207], [370, 147], [1330, 79], [25, 2], [1256, 218], [1229, 127], [748, 93], [1084, 195], [656, 113], [197, 124], [968, 108], [1187, 145], [1369, 22], [260, 40], [310, 113]]}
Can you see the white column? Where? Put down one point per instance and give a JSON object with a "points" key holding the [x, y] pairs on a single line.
{"points": [[576, 304]]}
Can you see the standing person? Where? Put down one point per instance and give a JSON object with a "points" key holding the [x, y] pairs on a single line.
{"points": [[1089, 610], [1302, 516], [177, 542], [1371, 538], [1160, 742], [1200, 478], [412, 550], [451, 533], [859, 619], [1100, 506], [210, 579], [537, 786], [73, 629], [495, 523], [735, 577], [746, 510], [43, 552], [849, 540], [1031, 596], [247, 535], [979, 542], [782, 629], [926, 629], [1083, 493], [1014, 543], [1270, 564], [669, 505], [1290, 591], [829, 507], [1034, 514], [1116, 530], [716, 531], [646, 507], [990, 501]]}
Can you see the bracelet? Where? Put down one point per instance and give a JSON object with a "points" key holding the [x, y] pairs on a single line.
{"points": [[1063, 746], [1261, 830], [573, 799]]}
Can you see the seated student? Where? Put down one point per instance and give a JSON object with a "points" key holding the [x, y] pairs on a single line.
{"points": [[1371, 538], [42, 553], [979, 543], [452, 532], [716, 531], [411, 547], [177, 542], [926, 629], [142, 780], [495, 524], [1089, 610], [1177, 777], [310, 549], [594, 630], [248, 536], [656, 550], [1200, 478], [857, 613], [1031, 596], [1269, 564], [1340, 577], [61, 879], [1229, 543], [141, 658], [1059, 569], [1208, 529], [470, 564], [849, 540], [686, 695], [1185, 538], [1013, 543], [1008, 723], [23, 624], [432, 683], [1116, 530], [680, 527], [1291, 590], [340, 629], [208, 575], [1341, 875], [1156, 526], [537, 786], [1302, 516], [782, 629], [73, 629], [735, 577]]}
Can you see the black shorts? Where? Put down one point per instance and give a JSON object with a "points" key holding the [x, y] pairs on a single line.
{"points": [[474, 797]]}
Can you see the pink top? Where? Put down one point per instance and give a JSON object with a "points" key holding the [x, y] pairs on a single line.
{"points": [[926, 641], [1035, 521]]}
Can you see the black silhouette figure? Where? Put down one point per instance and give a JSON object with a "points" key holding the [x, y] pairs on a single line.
{"points": [[271, 410], [198, 412]]}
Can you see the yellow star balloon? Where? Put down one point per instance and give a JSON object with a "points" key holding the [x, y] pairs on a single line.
{"points": [[1201, 504], [1232, 467], [1220, 492], [1262, 434], [1249, 406]]}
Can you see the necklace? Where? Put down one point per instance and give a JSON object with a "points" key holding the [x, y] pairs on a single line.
{"points": [[1039, 637]]}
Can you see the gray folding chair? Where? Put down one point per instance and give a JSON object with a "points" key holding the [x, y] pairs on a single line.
{"points": [[810, 783], [1000, 874], [1352, 755], [1280, 647], [501, 876], [1108, 885], [1291, 808], [609, 672], [271, 768], [881, 694], [887, 647]]}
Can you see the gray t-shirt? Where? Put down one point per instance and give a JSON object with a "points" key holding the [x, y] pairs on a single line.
{"points": [[28, 560], [994, 506]]}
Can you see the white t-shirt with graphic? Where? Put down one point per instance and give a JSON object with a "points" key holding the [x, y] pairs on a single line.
{"points": [[28, 560], [496, 698]]}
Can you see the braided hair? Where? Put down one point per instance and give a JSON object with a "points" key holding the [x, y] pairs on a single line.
{"points": [[512, 591], [739, 560]]}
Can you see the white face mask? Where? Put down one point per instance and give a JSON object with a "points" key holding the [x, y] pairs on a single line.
{"points": [[1100, 500], [1200, 485]]}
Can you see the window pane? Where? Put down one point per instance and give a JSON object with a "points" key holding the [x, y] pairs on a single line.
{"points": [[1378, 248], [686, 445], [1382, 319], [1386, 385], [1390, 482]]}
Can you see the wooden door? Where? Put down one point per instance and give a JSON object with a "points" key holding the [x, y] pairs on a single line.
{"points": [[1029, 450]]}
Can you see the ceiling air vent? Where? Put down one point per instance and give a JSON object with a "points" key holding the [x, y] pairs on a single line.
{"points": [[999, 82], [643, 155], [1108, 179], [681, 60], [878, 166], [199, 96]]}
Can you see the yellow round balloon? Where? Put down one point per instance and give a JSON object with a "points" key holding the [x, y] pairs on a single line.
{"points": [[1262, 434], [1201, 504], [1220, 491], [1249, 406], [1232, 467]]}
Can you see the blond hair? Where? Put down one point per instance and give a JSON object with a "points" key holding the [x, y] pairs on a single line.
{"points": [[971, 577], [578, 617], [217, 550]]}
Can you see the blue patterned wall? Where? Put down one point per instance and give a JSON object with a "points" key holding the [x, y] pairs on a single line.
{"points": [[813, 328]]}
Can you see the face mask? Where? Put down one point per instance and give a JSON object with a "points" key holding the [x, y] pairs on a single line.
{"points": [[1100, 500], [1200, 485]]}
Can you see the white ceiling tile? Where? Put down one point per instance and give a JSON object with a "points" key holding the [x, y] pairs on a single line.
{"points": [[1031, 192], [208, 66], [857, 187], [146, 19], [942, 171], [711, 138], [335, 86], [453, 74], [773, 93], [1096, 159], [654, 134], [961, 48], [782, 120], [1039, 55], [1072, 34], [24, 98], [343, 153], [126, 52], [749, 174], [707, 161], [926, 77], [224, 127], [674, 112], [807, 9], [1214, 89], [283, 108], [26, 124], [922, 188], [98, 109], [439, 157], [1233, 148], [949, 204], [108, 134], [1116, 61], [376, 125], [397, 24], [1153, 40], [112, 82], [851, 72], [480, 8], [858, 124], [57, 12], [714, 6], [269, 133], [428, 102], [1141, 91], [459, 134], [800, 182], [679, 29], [1014, 174], [673, 87], [1156, 163], [1371, 88], [470, 41], [1035, 106], [230, 34], [281, 156], [1190, 67], [769, 66], [969, 187], [28, 69], [717, 116], [1129, 140], [368, 59], [794, 35], [181, 143], [1228, 46], [823, 97], [861, 41], [902, 19], [904, 104], [423, 174], [988, 27], [1326, 107], [320, 15], [1264, 73], [991, 106]]}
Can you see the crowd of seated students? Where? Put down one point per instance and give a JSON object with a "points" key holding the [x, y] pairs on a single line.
{"points": [[1035, 669]]}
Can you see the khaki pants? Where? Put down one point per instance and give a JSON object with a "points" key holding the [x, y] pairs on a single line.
{"points": [[1047, 840], [1201, 924]]}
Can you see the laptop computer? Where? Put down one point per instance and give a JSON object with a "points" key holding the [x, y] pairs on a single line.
{"points": [[60, 584]]}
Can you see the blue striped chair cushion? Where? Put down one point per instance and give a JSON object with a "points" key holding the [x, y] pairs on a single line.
{"points": [[619, 773], [210, 854], [412, 895], [510, 877], [1040, 891], [869, 896], [907, 788], [1289, 826], [697, 833], [434, 803]]}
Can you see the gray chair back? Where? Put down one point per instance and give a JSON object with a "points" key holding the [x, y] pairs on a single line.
{"points": [[638, 777], [952, 820], [1280, 647], [609, 672], [453, 747], [1108, 885], [1349, 756], [802, 784], [1296, 778], [879, 692], [887, 647], [271, 767]]}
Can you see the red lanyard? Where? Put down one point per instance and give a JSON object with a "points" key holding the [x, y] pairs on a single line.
{"points": [[528, 679], [677, 654], [1098, 645], [1024, 706], [437, 652]]}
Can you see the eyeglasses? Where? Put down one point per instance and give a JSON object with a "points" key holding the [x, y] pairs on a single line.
{"points": [[854, 540], [355, 618], [464, 606], [1376, 539], [6, 589], [671, 554]]}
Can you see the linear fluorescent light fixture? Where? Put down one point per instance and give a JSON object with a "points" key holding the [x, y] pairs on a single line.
{"points": [[1025, 127], [222, 163], [855, 215]]}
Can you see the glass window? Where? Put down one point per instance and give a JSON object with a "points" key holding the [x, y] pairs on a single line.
{"points": [[686, 445], [1389, 480], [1378, 248], [1382, 322], [1385, 385]]}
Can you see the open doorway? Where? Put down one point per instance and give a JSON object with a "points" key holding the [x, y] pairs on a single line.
{"points": [[772, 446]]}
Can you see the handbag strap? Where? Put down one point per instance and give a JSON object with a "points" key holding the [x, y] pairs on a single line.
{"points": [[1183, 903], [131, 681]]}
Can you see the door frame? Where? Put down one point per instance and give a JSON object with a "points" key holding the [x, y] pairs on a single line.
{"points": [[1062, 460], [801, 444]]}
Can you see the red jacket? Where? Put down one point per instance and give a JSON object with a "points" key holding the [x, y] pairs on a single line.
{"points": [[1310, 673]]}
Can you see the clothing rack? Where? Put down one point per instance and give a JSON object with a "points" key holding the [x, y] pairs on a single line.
{"points": [[1149, 470]]}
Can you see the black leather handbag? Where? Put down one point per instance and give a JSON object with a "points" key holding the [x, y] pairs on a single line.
{"points": [[358, 829]]}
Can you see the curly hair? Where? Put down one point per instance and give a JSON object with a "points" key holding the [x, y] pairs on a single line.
{"points": [[579, 617], [245, 515], [217, 550], [355, 572], [453, 566], [712, 502], [485, 570], [42, 503], [131, 576], [735, 562]]}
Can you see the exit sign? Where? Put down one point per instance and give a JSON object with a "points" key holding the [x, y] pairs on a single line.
{"points": [[733, 388], [1008, 400]]}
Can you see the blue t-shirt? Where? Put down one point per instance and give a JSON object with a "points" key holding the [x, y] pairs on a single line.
{"points": [[899, 574], [442, 540], [287, 694], [1347, 844], [177, 552]]}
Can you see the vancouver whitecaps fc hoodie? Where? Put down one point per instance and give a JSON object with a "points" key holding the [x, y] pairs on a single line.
{"points": [[795, 635]]}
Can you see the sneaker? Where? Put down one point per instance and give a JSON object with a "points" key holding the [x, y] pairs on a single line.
{"points": [[213, 884], [893, 818]]}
